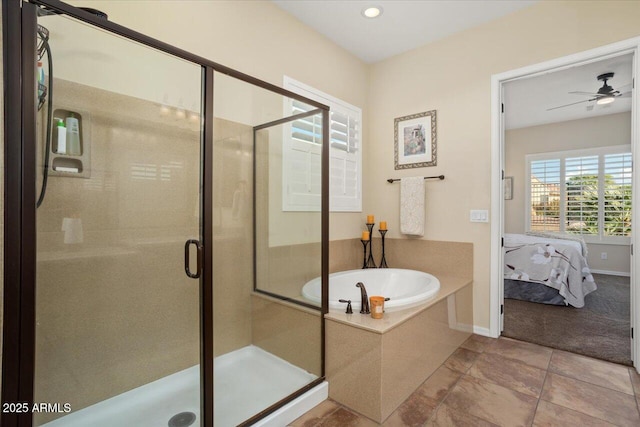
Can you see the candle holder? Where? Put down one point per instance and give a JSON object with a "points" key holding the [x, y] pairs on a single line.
{"points": [[370, 263], [383, 261], [364, 246]]}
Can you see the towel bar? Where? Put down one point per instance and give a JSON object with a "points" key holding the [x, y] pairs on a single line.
{"points": [[440, 177]]}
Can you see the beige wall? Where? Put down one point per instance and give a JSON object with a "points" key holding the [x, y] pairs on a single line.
{"points": [[613, 129], [453, 76], [257, 38]]}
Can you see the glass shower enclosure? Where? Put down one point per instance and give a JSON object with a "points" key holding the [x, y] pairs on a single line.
{"points": [[166, 265]]}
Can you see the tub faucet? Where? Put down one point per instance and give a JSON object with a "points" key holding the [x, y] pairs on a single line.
{"points": [[364, 304]]}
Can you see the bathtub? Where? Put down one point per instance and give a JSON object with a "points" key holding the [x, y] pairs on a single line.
{"points": [[406, 288]]}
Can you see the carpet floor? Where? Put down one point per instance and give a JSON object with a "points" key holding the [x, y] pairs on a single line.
{"points": [[600, 329]]}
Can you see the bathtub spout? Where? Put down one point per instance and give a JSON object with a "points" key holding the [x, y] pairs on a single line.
{"points": [[364, 304]]}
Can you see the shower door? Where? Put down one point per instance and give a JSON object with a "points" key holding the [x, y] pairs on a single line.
{"points": [[119, 230]]}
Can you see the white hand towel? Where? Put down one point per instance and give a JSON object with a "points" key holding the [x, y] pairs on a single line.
{"points": [[412, 206]]}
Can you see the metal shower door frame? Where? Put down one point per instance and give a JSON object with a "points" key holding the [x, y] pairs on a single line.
{"points": [[18, 350]]}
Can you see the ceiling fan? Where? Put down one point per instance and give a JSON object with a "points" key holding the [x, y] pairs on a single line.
{"points": [[605, 95]]}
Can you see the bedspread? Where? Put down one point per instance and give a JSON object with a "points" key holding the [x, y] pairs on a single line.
{"points": [[559, 266]]}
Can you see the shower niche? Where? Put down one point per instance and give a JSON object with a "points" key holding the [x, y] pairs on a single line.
{"points": [[70, 150]]}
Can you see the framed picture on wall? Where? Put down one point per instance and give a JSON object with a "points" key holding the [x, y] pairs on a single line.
{"points": [[508, 188], [415, 140]]}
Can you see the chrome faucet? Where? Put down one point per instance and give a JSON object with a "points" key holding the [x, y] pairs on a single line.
{"points": [[364, 303]]}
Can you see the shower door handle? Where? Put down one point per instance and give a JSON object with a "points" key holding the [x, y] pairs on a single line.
{"points": [[187, 258]]}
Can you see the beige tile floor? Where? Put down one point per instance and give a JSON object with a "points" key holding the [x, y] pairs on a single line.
{"points": [[504, 382]]}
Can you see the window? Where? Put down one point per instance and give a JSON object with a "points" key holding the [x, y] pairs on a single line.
{"points": [[617, 195], [302, 154], [585, 192]]}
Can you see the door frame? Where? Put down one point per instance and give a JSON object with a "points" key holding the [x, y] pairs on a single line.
{"points": [[497, 171]]}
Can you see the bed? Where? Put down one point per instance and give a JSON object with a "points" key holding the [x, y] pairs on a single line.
{"points": [[547, 268]]}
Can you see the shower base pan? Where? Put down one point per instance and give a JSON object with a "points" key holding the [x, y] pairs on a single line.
{"points": [[246, 381]]}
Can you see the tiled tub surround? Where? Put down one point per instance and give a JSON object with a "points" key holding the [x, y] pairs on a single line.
{"points": [[373, 365], [435, 257], [283, 270], [504, 382], [288, 331]]}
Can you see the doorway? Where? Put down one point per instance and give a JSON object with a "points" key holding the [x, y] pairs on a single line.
{"points": [[518, 212]]}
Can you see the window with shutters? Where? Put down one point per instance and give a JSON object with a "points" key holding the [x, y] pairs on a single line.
{"points": [[585, 192], [302, 154]]}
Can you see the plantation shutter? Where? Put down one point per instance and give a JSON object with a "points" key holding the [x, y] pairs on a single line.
{"points": [[617, 194], [544, 197], [302, 154], [344, 174], [303, 165], [586, 192], [581, 183]]}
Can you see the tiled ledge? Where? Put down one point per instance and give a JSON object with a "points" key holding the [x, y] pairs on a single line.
{"points": [[448, 286]]}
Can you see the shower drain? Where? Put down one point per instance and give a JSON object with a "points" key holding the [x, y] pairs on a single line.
{"points": [[183, 419]]}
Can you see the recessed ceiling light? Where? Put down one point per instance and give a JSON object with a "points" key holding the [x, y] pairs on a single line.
{"points": [[372, 12]]}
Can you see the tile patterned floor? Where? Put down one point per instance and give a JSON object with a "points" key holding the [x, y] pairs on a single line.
{"points": [[504, 382]]}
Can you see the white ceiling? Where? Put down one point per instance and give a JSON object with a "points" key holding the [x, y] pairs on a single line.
{"points": [[527, 100], [403, 26]]}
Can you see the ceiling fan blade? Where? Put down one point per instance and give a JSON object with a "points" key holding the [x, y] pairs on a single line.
{"points": [[625, 88], [577, 92], [573, 103]]}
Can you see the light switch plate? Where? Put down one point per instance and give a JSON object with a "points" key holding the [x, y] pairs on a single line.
{"points": [[479, 216]]}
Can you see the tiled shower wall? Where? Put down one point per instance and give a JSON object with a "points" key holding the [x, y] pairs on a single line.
{"points": [[116, 310], [107, 322]]}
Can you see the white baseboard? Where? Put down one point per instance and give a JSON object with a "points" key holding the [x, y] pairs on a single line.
{"points": [[612, 273], [485, 332], [463, 327]]}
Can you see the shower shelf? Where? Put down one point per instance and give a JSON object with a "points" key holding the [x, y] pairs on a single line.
{"points": [[67, 165]]}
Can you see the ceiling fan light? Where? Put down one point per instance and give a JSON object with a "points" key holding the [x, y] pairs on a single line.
{"points": [[605, 100]]}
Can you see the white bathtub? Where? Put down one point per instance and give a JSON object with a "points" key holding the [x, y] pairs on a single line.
{"points": [[406, 288]]}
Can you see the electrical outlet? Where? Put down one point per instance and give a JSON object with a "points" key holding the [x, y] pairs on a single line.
{"points": [[603, 255]]}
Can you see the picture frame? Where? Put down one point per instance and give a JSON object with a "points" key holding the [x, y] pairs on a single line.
{"points": [[508, 188], [415, 140]]}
